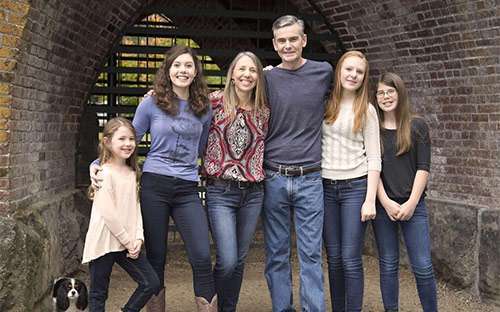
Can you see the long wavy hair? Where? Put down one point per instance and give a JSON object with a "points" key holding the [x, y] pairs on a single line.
{"points": [[361, 100], [403, 112], [259, 99], [105, 153], [166, 99]]}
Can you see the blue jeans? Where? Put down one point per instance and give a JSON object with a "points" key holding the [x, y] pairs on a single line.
{"points": [[163, 197], [343, 233], [233, 213], [302, 197], [418, 243], [139, 269]]}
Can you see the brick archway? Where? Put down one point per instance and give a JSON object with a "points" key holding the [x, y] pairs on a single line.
{"points": [[51, 51]]}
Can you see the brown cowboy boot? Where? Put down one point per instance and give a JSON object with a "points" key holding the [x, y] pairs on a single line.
{"points": [[204, 306], [157, 302]]}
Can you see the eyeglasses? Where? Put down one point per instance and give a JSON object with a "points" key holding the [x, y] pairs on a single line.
{"points": [[382, 93]]}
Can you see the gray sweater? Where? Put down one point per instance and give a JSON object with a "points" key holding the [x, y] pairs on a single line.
{"points": [[297, 100]]}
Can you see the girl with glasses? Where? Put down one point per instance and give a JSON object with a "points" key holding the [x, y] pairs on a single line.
{"points": [[401, 191]]}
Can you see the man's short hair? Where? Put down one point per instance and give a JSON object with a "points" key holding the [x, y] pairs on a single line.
{"points": [[288, 20]]}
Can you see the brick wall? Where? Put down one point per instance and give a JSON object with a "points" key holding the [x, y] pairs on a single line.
{"points": [[62, 45], [12, 23], [49, 54]]}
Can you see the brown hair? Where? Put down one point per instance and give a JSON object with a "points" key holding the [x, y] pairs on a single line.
{"points": [[259, 99], [166, 99], [403, 112], [105, 153], [361, 103]]}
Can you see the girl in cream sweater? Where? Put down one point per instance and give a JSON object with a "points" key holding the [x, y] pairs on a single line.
{"points": [[115, 231], [350, 167]]}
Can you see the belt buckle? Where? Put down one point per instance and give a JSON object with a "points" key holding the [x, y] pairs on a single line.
{"points": [[286, 172], [287, 168], [283, 170], [241, 185]]}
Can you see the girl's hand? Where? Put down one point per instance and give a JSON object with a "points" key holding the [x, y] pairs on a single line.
{"points": [[135, 250], [95, 179], [406, 211], [392, 208], [368, 211]]}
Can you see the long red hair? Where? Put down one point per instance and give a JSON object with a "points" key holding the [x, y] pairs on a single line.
{"points": [[361, 103]]}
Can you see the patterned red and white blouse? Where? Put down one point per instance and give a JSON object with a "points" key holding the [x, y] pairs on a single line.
{"points": [[235, 150]]}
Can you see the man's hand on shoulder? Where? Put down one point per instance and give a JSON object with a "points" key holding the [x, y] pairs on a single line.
{"points": [[95, 177], [268, 67]]}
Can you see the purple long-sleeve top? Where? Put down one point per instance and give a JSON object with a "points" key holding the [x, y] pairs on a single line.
{"points": [[176, 141]]}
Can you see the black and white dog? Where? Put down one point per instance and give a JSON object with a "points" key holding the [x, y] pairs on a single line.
{"points": [[69, 294]]}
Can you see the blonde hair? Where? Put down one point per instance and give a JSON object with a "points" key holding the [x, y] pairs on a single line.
{"points": [[259, 99], [361, 102], [105, 153]]}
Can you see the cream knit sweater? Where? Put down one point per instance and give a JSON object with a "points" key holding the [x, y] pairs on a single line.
{"points": [[115, 220], [347, 155]]}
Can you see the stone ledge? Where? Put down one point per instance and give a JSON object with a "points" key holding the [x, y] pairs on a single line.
{"points": [[489, 256], [455, 237], [39, 243], [465, 246]]}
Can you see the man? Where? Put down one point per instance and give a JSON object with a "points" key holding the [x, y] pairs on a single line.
{"points": [[297, 91]]}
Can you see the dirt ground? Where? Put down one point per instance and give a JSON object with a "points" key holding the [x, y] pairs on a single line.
{"points": [[255, 296]]}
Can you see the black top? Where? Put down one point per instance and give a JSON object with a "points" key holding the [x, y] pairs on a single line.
{"points": [[398, 172]]}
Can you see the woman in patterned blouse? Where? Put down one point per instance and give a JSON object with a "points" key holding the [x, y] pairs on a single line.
{"points": [[233, 166]]}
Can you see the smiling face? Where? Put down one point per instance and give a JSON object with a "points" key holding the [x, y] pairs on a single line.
{"points": [[182, 72], [245, 75], [122, 143], [289, 41], [387, 98], [352, 73]]}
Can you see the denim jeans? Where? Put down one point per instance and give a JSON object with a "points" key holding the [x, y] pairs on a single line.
{"points": [[302, 198], [139, 269], [418, 243], [163, 197], [233, 213], [343, 233]]}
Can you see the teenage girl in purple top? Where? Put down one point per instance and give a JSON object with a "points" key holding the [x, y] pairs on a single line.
{"points": [[177, 116]]}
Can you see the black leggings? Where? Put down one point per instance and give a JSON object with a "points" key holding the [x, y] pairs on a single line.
{"points": [[139, 269], [164, 196]]}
